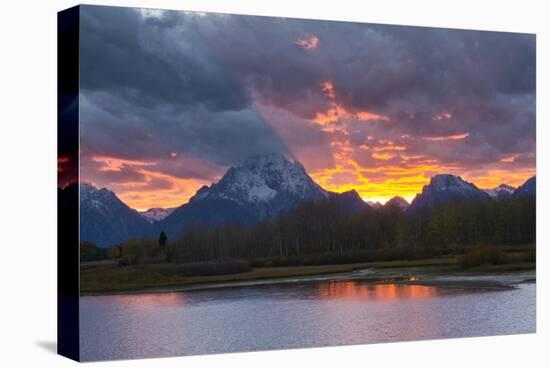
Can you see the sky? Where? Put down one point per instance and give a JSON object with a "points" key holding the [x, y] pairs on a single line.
{"points": [[169, 100]]}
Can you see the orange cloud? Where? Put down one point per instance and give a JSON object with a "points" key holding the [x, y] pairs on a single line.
{"points": [[494, 177], [411, 157], [366, 116], [331, 115], [442, 116], [447, 137], [383, 177], [150, 189], [328, 89], [383, 156], [386, 148], [308, 43], [509, 159], [139, 196], [116, 164]]}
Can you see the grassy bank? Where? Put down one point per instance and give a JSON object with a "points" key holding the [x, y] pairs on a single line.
{"points": [[108, 277]]}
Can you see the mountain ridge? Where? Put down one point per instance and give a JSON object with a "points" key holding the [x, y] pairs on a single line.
{"points": [[262, 187], [528, 188], [105, 219], [445, 188]]}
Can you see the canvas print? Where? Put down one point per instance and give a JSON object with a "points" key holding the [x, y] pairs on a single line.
{"points": [[232, 183]]}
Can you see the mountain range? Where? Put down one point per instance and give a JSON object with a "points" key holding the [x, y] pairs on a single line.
{"points": [[262, 187], [501, 192]]}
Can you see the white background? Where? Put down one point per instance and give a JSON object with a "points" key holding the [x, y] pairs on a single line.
{"points": [[28, 181]]}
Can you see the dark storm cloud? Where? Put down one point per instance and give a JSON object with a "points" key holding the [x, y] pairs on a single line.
{"points": [[201, 85], [152, 87], [150, 63]]}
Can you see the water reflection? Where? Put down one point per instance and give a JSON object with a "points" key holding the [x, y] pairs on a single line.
{"points": [[294, 315], [137, 303], [379, 292]]}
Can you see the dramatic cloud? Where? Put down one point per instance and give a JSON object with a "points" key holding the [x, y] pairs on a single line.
{"points": [[371, 107]]}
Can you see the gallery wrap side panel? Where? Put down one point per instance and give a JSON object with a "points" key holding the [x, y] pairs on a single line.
{"points": [[67, 190]]}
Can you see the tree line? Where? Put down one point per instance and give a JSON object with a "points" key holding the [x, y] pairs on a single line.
{"points": [[325, 228], [325, 232]]}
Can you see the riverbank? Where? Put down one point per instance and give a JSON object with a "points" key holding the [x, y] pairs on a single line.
{"points": [[109, 278]]}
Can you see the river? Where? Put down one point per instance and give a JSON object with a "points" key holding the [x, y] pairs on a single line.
{"points": [[299, 315]]}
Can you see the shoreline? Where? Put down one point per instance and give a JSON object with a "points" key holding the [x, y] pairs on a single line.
{"points": [[422, 273]]}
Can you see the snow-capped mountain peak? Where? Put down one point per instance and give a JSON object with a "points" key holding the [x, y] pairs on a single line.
{"points": [[501, 192], [104, 219], [448, 182], [262, 187], [101, 199], [262, 179], [156, 214]]}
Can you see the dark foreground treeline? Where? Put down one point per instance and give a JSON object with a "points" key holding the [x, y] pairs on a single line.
{"points": [[325, 233]]}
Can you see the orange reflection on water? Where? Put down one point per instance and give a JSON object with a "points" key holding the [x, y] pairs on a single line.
{"points": [[366, 291], [147, 302]]}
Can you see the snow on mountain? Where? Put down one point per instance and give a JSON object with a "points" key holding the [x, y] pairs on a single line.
{"points": [[501, 192], [104, 219], [156, 214], [262, 187], [446, 188], [262, 179], [451, 183]]}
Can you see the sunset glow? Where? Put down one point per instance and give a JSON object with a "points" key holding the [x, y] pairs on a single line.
{"points": [[380, 113], [150, 187]]}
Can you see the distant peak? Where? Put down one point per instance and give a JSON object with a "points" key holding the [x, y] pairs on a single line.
{"points": [[375, 204], [156, 214], [398, 199], [397, 202], [444, 188], [506, 187]]}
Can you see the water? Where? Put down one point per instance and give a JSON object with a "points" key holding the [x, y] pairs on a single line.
{"points": [[294, 316]]}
